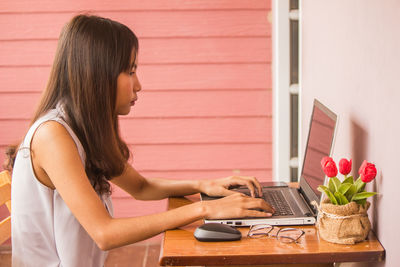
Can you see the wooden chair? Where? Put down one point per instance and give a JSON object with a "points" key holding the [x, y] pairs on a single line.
{"points": [[5, 198]]}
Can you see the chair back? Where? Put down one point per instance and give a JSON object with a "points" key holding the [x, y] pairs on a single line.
{"points": [[5, 198]]}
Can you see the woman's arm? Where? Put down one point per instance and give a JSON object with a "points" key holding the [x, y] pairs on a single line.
{"points": [[153, 188], [57, 164], [156, 188], [125, 231]]}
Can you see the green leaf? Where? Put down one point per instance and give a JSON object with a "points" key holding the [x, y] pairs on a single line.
{"points": [[331, 186], [341, 198], [336, 183], [363, 195], [344, 187], [348, 180], [351, 191], [325, 190], [360, 185]]}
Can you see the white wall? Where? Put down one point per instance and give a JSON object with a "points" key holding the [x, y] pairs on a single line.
{"points": [[350, 62]]}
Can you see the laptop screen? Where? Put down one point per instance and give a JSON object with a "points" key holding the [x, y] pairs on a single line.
{"points": [[319, 145]]}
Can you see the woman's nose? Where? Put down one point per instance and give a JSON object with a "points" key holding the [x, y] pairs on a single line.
{"points": [[137, 86]]}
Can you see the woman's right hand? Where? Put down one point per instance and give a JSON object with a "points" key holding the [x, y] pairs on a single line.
{"points": [[237, 206]]}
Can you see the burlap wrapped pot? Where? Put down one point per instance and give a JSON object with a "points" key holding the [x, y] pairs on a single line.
{"points": [[343, 224]]}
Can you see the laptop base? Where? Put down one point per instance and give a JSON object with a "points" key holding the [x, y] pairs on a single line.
{"points": [[269, 220]]}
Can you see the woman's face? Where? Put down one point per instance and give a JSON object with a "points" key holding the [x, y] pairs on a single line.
{"points": [[127, 86]]}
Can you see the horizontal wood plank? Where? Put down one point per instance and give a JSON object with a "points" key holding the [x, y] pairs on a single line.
{"points": [[202, 156], [157, 77], [158, 24], [12, 131], [155, 104], [198, 157], [197, 130], [35, 79], [152, 51], [23, 6], [172, 131], [203, 103]]}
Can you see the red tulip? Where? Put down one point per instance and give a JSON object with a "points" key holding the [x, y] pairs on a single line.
{"points": [[329, 166], [345, 166], [367, 172], [324, 160]]}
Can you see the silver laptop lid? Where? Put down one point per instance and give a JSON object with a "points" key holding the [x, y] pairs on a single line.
{"points": [[319, 144]]}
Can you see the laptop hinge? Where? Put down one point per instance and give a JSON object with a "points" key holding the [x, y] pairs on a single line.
{"points": [[309, 206]]}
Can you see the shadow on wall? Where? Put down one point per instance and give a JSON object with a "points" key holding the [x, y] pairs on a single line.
{"points": [[359, 151], [359, 144]]}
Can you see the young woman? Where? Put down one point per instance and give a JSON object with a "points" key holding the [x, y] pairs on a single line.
{"points": [[61, 208]]}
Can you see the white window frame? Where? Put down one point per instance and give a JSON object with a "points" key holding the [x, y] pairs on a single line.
{"points": [[282, 90]]}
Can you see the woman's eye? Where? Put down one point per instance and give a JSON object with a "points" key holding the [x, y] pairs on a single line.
{"points": [[131, 73]]}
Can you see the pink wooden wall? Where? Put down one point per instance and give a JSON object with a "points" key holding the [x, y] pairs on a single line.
{"points": [[205, 108]]}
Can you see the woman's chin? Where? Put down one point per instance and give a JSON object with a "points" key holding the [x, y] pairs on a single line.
{"points": [[124, 111]]}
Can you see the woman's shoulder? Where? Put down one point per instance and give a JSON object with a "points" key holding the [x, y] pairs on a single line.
{"points": [[51, 145], [51, 133], [51, 128]]}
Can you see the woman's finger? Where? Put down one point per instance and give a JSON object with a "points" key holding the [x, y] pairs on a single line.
{"points": [[258, 203], [257, 185], [227, 192], [251, 183]]}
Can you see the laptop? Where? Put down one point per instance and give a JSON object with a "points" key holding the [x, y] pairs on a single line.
{"points": [[293, 205]]}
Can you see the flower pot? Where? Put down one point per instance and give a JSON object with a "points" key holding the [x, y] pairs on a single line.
{"points": [[343, 224]]}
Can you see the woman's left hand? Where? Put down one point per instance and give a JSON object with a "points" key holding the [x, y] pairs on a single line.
{"points": [[220, 187]]}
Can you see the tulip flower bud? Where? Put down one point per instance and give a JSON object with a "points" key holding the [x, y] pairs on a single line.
{"points": [[367, 172], [345, 166], [329, 167]]}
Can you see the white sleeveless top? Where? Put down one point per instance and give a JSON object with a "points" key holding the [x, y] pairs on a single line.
{"points": [[44, 231]]}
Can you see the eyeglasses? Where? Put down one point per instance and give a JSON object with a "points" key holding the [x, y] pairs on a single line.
{"points": [[284, 235]]}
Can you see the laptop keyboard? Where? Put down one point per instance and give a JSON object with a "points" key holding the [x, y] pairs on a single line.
{"points": [[276, 199]]}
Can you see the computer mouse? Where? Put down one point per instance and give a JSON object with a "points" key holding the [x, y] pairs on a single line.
{"points": [[217, 232]]}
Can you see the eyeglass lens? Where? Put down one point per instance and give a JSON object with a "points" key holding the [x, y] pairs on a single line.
{"points": [[288, 235], [285, 235], [259, 230]]}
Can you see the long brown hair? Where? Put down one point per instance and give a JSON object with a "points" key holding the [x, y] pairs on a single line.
{"points": [[91, 53]]}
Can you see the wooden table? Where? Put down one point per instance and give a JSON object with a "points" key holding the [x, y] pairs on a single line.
{"points": [[180, 248]]}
